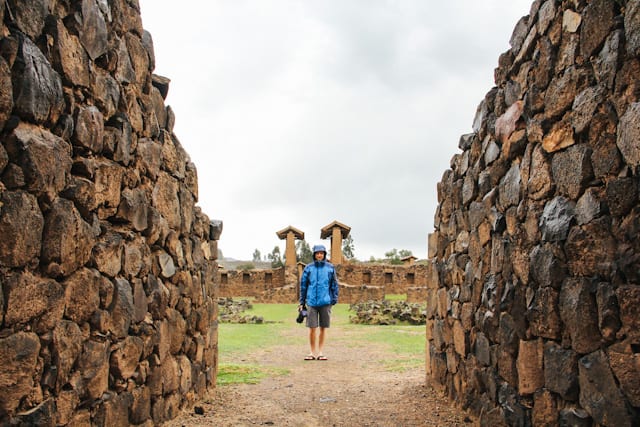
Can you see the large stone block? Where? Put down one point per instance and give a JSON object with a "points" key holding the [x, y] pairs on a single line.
{"points": [[37, 87], [599, 393], [625, 364], [572, 170], [67, 238], [561, 371], [591, 249], [125, 356], [19, 355], [91, 376], [579, 313], [530, 366], [82, 294], [556, 219], [67, 347], [628, 297], [597, 22], [33, 300], [21, 226], [45, 159], [544, 315]]}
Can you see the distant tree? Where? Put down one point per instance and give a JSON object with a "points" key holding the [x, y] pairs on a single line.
{"points": [[348, 248], [405, 253], [392, 257], [256, 256], [275, 258], [303, 252]]}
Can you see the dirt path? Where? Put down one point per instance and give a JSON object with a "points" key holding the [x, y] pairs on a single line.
{"points": [[353, 388]]}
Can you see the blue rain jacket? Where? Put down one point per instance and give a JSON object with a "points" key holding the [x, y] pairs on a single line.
{"points": [[319, 284]]}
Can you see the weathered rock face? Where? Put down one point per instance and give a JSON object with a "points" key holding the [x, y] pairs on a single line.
{"points": [[107, 267], [547, 334]]}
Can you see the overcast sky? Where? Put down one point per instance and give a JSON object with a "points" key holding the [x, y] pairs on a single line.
{"points": [[302, 112]]}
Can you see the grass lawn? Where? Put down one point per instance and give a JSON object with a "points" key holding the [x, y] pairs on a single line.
{"points": [[407, 342]]}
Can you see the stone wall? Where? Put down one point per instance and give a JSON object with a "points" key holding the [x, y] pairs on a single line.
{"points": [[107, 266], [534, 318], [358, 282]]}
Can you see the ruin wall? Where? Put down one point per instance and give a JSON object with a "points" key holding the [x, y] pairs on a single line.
{"points": [[358, 282], [107, 266], [534, 318]]}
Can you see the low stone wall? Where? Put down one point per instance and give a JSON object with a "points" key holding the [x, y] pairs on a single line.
{"points": [[395, 279], [284, 295], [534, 318], [417, 294], [250, 283], [351, 294], [107, 295]]}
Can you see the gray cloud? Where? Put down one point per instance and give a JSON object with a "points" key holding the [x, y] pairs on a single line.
{"points": [[303, 112]]}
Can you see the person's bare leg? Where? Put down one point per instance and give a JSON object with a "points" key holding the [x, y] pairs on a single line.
{"points": [[312, 341], [321, 341]]}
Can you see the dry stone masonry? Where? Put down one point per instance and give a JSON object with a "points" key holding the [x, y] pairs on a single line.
{"points": [[107, 296], [534, 318]]}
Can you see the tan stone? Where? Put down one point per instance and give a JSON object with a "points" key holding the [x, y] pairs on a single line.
{"points": [[530, 366]]}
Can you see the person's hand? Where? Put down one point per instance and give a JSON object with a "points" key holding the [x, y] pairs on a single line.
{"points": [[300, 307]]}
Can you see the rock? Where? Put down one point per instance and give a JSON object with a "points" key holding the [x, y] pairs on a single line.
{"points": [[29, 15], [589, 206], [91, 376], [44, 158], [69, 56], [579, 313], [89, 129], [584, 106], [37, 87], [21, 225], [561, 371], [572, 170], [562, 91], [632, 28], [82, 295], [591, 249], [599, 394], [622, 195], [165, 200], [547, 266], [122, 309], [94, 35], [67, 238], [561, 136], [605, 64], [6, 96], [571, 21], [556, 219], [544, 314], [598, 19], [629, 311], [67, 347], [32, 300], [125, 358], [629, 135], [19, 355]]}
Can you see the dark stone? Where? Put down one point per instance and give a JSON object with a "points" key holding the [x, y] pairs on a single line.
{"points": [[632, 28], [29, 15], [597, 22], [547, 265], [134, 208], [629, 134], [599, 393], [37, 87], [43, 414], [19, 355], [574, 417], [579, 312], [605, 64], [556, 219], [93, 35], [6, 95], [622, 195], [591, 249], [544, 314], [572, 170], [89, 129], [122, 311], [608, 311], [561, 371], [589, 206]]}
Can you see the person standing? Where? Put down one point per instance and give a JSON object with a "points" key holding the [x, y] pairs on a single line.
{"points": [[318, 293]]}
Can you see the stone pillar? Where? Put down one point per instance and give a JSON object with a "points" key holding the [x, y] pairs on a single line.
{"points": [[336, 231], [290, 234]]}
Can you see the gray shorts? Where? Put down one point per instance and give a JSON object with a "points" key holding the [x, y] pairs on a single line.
{"points": [[319, 316]]}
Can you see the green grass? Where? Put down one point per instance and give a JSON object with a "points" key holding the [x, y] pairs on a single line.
{"points": [[395, 297], [236, 341]]}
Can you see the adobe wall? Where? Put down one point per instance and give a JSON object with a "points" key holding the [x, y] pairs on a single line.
{"points": [[108, 302], [535, 317]]}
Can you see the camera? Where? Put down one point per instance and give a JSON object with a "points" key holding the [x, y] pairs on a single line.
{"points": [[301, 315]]}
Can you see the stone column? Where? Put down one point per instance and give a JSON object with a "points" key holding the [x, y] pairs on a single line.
{"points": [[290, 234], [336, 231]]}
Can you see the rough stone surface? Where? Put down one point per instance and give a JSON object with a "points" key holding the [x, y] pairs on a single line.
{"points": [[558, 251], [93, 185]]}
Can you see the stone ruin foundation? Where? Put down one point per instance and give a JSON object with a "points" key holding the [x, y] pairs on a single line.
{"points": [[535, 316], [107, 294]]}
